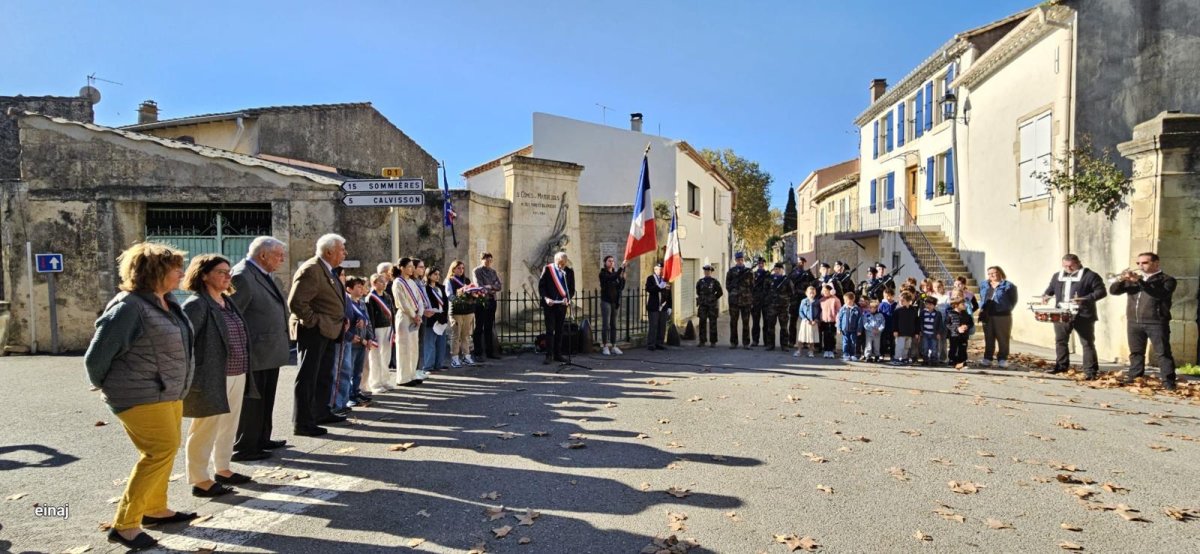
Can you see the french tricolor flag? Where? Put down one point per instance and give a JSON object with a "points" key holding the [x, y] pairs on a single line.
{"points": [[673, 262], [641, 229]]}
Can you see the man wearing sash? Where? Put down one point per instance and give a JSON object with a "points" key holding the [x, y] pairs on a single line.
{"points": [[556, 286], [1077, 288]]}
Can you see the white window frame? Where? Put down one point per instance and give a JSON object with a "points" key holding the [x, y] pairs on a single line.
{"points": [[1036, 157]]}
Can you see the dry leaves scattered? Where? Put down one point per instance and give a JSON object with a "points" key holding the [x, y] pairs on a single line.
{"points": [[1160, 448], [345, 450], [733, 516], [402, 447], [948, 514], [502, 532], [1114, 488], [1182, 514], [573, 445], [16, 496], [695, 399], [997, 524], [413, 543], [813, 458], [669, 545], [676, 521], [1070, 527], [1066, 423], [100, 423], [965, 487], [824, 489], [898, 473], [795, 543], [911, 432], [645, 487], [679, 492], [1068, 545], [493, 513], [494, 495], [540, 434], [78, 549], [921, 536]]}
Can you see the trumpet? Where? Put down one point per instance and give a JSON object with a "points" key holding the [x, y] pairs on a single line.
{"points": [[1130, 274]]}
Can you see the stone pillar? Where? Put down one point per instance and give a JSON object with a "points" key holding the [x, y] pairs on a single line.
{"points": [[1166, 198], [543, 219]]}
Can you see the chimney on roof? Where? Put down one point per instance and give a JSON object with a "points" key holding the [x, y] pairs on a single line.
{"points": [[148, 112], [635, 122], [878, 88]]}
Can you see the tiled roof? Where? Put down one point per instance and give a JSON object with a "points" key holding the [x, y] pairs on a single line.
{"points": [[827, 176], [250, 112], [206, 151], [526, 151]]}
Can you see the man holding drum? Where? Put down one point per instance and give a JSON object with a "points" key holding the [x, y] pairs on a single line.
{"points": [[1076, 289]]}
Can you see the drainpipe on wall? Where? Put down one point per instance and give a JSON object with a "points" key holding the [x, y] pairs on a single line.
{"points": [[1064, 110]]}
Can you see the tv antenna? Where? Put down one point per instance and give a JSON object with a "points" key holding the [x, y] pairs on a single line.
{"points": [[603, 113], [90, 92]]}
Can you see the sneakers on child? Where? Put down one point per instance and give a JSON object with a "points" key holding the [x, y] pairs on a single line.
{"points": [[604, 350], [796, 354], [469, 360], [613, 348], [454, 362], [810, 353], [1003, 363]]}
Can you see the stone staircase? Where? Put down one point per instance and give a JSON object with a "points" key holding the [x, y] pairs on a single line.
{"points": [[936, 255]]}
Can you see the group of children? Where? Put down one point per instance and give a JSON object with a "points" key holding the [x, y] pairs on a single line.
{"points": [[927, 327]]}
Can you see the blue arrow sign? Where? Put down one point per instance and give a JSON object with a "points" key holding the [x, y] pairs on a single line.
{"points": [[49, 263]]}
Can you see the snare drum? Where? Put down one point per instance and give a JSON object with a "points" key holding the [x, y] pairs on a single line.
{"points": [[1052, 314]]}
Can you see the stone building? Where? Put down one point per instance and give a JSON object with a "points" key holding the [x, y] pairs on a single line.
{"points": [[834, 195]]}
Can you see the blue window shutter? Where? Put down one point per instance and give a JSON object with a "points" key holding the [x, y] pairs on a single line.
{"points": [[950, 171], [890, 195], [900, 124], [929, 105], [887, 133], [873, 195], [929, 169], [875, 140], [919, 116]]}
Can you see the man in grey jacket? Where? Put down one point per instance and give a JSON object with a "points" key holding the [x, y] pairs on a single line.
{"points": [[264, 309]]}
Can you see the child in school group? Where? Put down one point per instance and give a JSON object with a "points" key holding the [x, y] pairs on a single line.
{"points": [[887, 308], [809, 316], [849, 323], [907, 323], [932, 330], [873, 326], [830, 307], [959, 325]]}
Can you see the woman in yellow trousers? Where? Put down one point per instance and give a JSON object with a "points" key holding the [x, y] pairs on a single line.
{"points": [[141, 360]]}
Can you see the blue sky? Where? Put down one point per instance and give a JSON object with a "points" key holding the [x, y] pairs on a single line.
{"points": [[779, 82]]}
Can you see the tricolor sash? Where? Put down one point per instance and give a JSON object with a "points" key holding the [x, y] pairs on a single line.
{"points": [[558, 284]]}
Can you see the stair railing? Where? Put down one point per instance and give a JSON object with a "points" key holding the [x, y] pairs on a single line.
{"points": [[927, 257]]}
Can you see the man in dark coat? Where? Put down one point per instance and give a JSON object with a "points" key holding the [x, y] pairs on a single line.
{"points": [[1079, 288], [1148, 317], [317, 303], [779, 296], [556, 287], [264, 308], [658, 307], [761, 295], [739, 281], [708, 305]]}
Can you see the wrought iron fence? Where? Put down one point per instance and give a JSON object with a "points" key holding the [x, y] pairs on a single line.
{"points": [[519, 318]]}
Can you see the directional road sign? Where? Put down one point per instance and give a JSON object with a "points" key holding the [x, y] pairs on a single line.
{"points": [[384, 200], [392, 172], [49, 263], [383, 185]]}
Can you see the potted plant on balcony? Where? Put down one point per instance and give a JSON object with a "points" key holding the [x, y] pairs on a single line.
{"points": [[941, 188]]}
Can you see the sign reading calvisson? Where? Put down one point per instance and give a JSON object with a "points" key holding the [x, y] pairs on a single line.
{"points": [[383, 193]]}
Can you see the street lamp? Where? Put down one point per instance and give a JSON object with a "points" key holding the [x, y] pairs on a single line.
{"points": [[950, 111]]}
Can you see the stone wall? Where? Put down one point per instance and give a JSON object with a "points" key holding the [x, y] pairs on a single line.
{"points": [[66, 107], [603, 231], [349, 137]]}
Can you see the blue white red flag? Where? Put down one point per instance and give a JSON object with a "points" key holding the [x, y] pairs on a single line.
{"points": [[641, 229]]}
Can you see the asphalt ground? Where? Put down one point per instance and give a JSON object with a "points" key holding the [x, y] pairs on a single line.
{"points": [[754, 444]]}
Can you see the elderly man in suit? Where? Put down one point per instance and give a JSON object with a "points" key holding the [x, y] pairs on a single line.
{"points": [[317, 303], [556, 286], [264, 309]]}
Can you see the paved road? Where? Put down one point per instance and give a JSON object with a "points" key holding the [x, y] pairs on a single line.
{"points": [[751, 436]]}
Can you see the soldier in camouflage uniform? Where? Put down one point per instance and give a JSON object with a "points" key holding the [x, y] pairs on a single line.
{"points": [[739, 281], [761, 295], [801, 279], [708, 304], [779, 296]]}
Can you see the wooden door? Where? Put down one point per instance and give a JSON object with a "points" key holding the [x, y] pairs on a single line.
{"points": [[910, 192]]}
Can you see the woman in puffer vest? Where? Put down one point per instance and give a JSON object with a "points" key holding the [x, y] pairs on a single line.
{"points": [[141, 360]]}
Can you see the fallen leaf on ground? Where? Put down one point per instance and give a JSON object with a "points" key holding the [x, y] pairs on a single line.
{"points": [[677, 521], [175, 477], [493, 512], [572, 445], [1129, 514], [502, 532], [415, 543], [719, 458], [423, 513], [1068, 424], [539, 434], [674, 444], [674, 465], [1114, 488], [984, 469], [17, 496], [695, 399], [985, 454], [524, 540], [202, 519], [1070, 527], [911, 432], [997, 524], [795, 543], [78, 549], [345, 450], [100, 423], [663, 421], [507, 436], [965, 487], [490, 495], [942, 461], [645, 487], [824, 489], [499, 425], [611, 405], [813, 457], [480, 548], [576, 436], [1068, 545], [733, 516], [921, 536], [642, 436], [679, 492], [1063, 467], [402, 447], [1160, 448], [898, 473], [527, 517], [1181, 514], [949, 514]]}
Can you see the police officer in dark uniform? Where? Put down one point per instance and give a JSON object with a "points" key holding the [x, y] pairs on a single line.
{"points": [[779, 296], [801, 279], [739, 281], [841, 272], [762, 293], [708, 305], [829, 278]]}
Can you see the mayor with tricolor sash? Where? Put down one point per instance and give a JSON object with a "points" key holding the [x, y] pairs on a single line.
{"points": [[556, 286]]}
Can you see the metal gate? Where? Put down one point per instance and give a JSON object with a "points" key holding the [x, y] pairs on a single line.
{"points": [[220, 229]]}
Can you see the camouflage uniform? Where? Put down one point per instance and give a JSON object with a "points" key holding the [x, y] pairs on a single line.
{"points": [[739, 281], [779, 289], [762, 293], [708, 304], [801, 279]]}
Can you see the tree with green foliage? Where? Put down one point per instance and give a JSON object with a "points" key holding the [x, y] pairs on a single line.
{"points": [[1091, 179], [789, 212], [752, 221]]}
